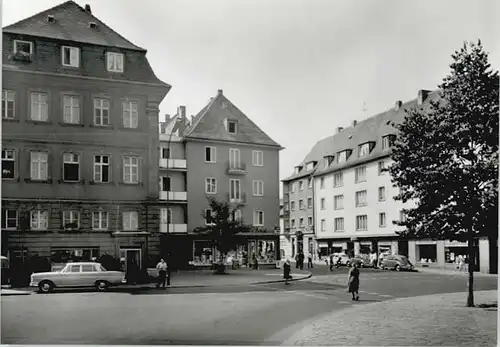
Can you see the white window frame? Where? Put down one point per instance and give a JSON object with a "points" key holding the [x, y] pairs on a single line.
{"points": [[322, 183], [102, 219], [301, 204], [310, 183], [74, 56], [337, 222], [235, 126], [213, 154], [234, 158], [9, 155], [98, 173], [323, 225], [381, 194], [338, 179], [309, 221], [386, 142], [22, 41], [301, 222], [41, 159], [359, 222], [6, 219], [361, 202], [258, 158], [128, 169], [41, 220], [309, 203], [130, 220], [342, 157], [322, 204], [130, 114], [382, 220], [292, 205], [364, 149], [293, 223], [8, 96], [338, 202], [381, 166], [237, 215], [166, 216], [235, 194], [357, 173], [71, 216], [69, 158], [39, 106], [301, 185], [210, 185], [258, 218], [71, 109], [101, 105], [258, 187], [115, 62]]}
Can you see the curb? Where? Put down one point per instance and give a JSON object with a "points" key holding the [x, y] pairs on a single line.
{"points": [[452, 273], [15, 293], [303, 277]]}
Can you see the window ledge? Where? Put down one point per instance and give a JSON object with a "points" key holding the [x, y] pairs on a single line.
{"points": [[71, 231], [107, 127], [81, 182], [64, 124], [39, 231], [98, 183], [40, 122], [129, 129], [130, 184], [10, 120], [6, 179], [47, 181]]}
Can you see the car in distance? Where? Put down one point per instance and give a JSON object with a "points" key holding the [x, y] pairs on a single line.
{"points": [[361, 260], [74, 275], [396, 262], [341, 258]]}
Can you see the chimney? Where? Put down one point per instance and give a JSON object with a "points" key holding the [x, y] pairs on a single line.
{"points": [[422, 95], [181, 111], [163, 127], [219, 92], [167, 118], [339, 129], [87, 9], [50, 18], [192, 119], [354, 122], [397, 105]]}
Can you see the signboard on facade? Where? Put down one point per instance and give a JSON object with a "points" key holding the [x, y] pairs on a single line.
{"points": [[448, 243]]}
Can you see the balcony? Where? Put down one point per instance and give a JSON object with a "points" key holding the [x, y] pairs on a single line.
{"points": [[236, 168], [241, 200], [173, 164], [173, 196], [173, 228]]}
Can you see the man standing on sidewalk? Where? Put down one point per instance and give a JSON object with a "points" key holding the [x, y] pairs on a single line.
{"points": [[310, 261], [162, 273]]}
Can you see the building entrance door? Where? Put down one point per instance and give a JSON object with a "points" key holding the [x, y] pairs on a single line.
{"points": [[133, 259]]}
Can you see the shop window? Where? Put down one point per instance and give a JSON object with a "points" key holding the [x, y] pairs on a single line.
{"points": [[427, 253], [203, 253]]}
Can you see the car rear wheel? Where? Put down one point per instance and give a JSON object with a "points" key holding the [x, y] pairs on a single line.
{"points": [[397, 268], [101, 286], [46, 286]]}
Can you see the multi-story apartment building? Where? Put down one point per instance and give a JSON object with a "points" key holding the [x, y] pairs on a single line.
{"points": [[80, 142], [219, 153], [353, 200]]}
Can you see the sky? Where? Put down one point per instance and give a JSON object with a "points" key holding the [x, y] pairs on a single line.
{"points": [[298, 68]]}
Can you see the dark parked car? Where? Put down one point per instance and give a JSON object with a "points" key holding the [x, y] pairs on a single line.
{"points": [[361, 260], [396, 262]]}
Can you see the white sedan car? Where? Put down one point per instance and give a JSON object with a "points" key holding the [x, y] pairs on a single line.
{"points": [[74, 275]]}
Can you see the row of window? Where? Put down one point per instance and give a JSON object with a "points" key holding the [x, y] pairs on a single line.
{"points": [[234, 187], [258, 217], [39, 220], [338, 200], [361, 222], [70, 56], [338, 178], [71, 109], [39, 167], [234, 157]]}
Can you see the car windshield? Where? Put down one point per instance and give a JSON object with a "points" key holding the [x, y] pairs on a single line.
{"points": [[403, 259]]}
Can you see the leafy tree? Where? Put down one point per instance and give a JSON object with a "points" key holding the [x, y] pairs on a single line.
{"points": [[223, 229], [446, 157]]}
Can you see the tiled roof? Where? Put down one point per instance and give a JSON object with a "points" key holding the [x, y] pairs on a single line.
{"points": [[71, 23], [209, 124], [370, 130]]}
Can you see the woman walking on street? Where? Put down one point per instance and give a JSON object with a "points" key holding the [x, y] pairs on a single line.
{"points": [[286, 271], [353, 283]]}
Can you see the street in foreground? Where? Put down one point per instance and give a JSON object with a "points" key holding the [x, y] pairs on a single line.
{"points": [[247, 314]]}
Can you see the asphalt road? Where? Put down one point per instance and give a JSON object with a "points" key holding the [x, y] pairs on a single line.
{"points": [[237, 315]]}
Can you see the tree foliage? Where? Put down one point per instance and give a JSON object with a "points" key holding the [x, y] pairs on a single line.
{"points": [[446, 155]]}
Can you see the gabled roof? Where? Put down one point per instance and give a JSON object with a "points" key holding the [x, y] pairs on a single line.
{"points": [[209, 124], [370, 130], [71, 23]]}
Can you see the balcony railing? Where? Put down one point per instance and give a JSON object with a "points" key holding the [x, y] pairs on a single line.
{"points": [[236, 168], [179, 164], [173, 228], [241, 199], [173, 196]]}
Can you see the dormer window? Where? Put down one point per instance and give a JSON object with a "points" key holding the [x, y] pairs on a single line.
{"points": [[232, 126], [328, 161], [388, 141], [342, 157], [114, 62], [70, 56], [298, 169], [364, 149], [310, 165]]}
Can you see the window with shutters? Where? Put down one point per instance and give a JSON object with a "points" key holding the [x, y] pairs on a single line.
{"points": [[101, 112], [8, 163], [9, 219], [100, 220], [39, 165], [39, 220], [130, 114], [114, 61], [71, 109], [131, 169], [8, 104], [39, 107], [70, 56], [101, 169], [130, 220], [71, 167]]}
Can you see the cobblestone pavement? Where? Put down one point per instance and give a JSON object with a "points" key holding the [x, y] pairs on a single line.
{"points": [[433, 320]]}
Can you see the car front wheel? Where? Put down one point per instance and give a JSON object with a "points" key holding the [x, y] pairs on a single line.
{"points": [[101, 286], [398, 268], [46, 286]]}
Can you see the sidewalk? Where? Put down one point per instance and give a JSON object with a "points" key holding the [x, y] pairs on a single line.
{"points": [[6, 291], [451, 272], [434, 320]]}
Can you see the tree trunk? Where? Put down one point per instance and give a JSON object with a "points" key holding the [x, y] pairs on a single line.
{"points": [[470, 296]]}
